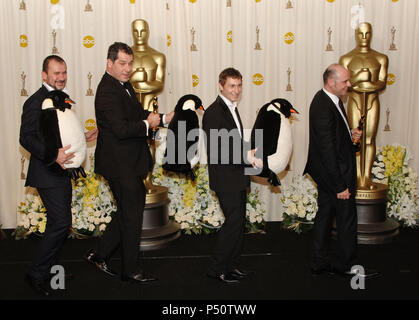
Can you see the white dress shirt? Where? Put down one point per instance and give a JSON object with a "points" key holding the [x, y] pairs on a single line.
{"points": [[335, 100], [232, 107]]}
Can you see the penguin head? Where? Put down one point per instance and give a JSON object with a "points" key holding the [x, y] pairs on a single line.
{"points": [[189, 102], [285, 107], [58, 99]]}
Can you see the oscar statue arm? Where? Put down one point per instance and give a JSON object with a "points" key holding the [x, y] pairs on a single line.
{"points": [[156, 85]]}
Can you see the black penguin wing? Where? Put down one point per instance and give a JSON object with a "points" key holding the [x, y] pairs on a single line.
{"points": [[177, 142], [49, 133], [266, 140]]}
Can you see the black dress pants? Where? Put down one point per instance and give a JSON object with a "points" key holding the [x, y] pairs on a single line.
{"points": [[124, 230], [57, 202], [346, 223], [226, 254]]}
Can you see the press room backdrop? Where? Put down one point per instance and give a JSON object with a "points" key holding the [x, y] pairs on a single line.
{"points": [[274, 43]]}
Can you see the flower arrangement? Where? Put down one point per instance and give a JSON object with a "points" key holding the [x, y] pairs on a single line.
{"points": [[391, 167], [194, 205], [32, 216], [299, 200], [92, 206], [92, 209], [255, 222]]}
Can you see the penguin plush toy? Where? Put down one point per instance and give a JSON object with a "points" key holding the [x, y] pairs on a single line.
{"points": [[183, 151], [275, 150], [59, 126]]}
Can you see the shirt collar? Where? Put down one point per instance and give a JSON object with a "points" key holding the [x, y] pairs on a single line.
{"points": [[232, 105], [49, 88], [334, 98]]}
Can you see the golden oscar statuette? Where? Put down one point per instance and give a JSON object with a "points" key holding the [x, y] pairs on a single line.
{"points": [[22, 5], [54, 39], [228, 3], [368, 69], [89, 91], [387, 126], [23, 91], [289, 88], [147, 78], [257, 45], [329, 45], [289, 5], [393, 33], [88, 7], [193, 46]]}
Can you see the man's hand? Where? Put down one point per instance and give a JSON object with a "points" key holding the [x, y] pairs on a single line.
{"points": [[91, 134], [356, 135], [169, 117], [344, 195], [153, 120], [255, 162], [64, 158]]}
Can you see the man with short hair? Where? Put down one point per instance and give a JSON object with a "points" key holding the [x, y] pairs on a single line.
{"points": [[53, 185], [123, 157], [226, 175], [332, 165]]}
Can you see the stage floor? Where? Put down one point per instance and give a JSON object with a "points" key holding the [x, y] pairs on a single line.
{"points": [[280, 259]]}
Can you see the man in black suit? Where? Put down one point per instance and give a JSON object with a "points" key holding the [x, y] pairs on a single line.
{"points": [[332, 165], [123, 157], [226, 165], [54, 187]]}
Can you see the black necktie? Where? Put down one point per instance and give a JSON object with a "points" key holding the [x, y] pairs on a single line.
{"points": [[342, 109], [240, 121], [126, 86]]}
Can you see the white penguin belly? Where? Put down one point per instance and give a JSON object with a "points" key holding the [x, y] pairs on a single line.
{"points": [[72, 133], [278, 161]]}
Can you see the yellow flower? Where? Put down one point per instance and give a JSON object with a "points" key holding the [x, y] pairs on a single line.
{"points": [[42, 226]]}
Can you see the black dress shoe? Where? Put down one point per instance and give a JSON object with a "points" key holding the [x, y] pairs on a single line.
{"points": [[99, 263], [241, 274], [39, 286], [225, 277], [139, 278]]}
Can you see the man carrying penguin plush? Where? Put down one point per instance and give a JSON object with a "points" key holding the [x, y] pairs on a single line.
{"points": [[54, 187]]}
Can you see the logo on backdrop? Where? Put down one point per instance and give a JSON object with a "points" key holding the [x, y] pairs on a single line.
{"points": [[23, 40], [195, 80], [391, 79], [257, 79], [88, 41], [289, 38]]}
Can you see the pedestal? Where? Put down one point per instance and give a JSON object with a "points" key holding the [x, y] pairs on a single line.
{"points": [[373, 225], [158, 231]]}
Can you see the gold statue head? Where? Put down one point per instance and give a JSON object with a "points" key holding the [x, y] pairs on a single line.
{"points": [[140, 32], [363, 35]]}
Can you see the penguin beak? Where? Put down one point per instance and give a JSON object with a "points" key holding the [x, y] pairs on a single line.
{"points": [[201, 108], [69, 101], [294, 111]]}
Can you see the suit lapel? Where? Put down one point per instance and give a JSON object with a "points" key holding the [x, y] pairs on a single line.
{"points": [[335, 111], [227, 114]]}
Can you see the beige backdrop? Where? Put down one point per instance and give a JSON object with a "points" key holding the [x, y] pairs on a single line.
{"points": [[225, 35]]}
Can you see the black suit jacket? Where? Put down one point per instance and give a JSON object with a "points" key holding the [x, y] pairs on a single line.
{"points": [[122, 149], [39, 174], [225, 165], [331, 154]]}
